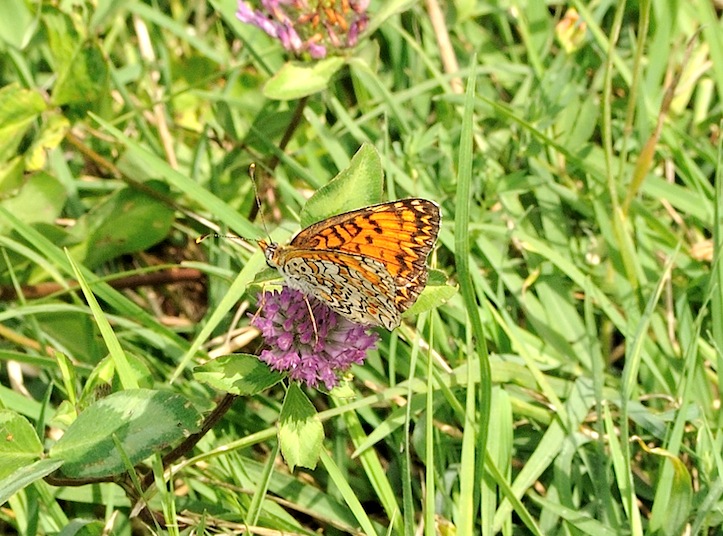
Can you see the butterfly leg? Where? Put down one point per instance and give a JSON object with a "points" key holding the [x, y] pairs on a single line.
{"points": [[260, 307], [313, 320]]}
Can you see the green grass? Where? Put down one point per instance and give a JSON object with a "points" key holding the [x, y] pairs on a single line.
{"points": [[569, 385]]}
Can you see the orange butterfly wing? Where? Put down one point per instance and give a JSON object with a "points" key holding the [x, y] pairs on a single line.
{"points": [[399, 234], [368, 264]]}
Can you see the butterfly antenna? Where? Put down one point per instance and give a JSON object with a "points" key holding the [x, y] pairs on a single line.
{"points": [[252, 175], [217, 235]]}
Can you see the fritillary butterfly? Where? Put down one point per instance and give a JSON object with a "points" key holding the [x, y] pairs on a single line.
{"points": [[368, 265]]}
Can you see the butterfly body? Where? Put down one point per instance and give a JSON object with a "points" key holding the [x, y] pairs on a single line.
{"points": [[369, 265]]}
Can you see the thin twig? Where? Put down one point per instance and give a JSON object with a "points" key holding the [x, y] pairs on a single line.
{"points": [[161, 278], [156, 91], [446, 51]]}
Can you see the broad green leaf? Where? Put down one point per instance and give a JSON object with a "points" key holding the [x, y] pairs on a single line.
{"points": [[434, 294], [39, 200], [357, 186], [144, 421], [19, 444], [296, 80], [239, 374], [300, 430], [84, 80], [62, 35], [75, 332], [19, 107], [126, 222], [25, 476], [11, 173], [82, 73], [16, 23]]}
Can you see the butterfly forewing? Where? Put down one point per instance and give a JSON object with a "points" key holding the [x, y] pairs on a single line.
{"points": [[379, 252], [400, 234]]}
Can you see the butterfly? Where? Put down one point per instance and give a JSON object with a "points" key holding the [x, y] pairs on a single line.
{"points": [[368, 265]]}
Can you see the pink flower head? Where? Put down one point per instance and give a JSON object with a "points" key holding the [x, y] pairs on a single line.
{"points": [[310, 27], [308, 340]]}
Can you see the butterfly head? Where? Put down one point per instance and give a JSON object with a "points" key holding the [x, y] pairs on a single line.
{"points": [[269, 249]]}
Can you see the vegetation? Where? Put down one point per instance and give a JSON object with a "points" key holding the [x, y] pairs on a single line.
{"points": [[561, 373]]}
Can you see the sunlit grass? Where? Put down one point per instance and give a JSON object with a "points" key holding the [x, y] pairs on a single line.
{"points": [[571, 385]]}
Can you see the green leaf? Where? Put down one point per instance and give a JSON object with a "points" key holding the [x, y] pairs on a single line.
{"points": [[76, 332], [434, 294], [39, 200], [18, 109], [126, 222], [297, 80], [82, 73], [19, 444], [62, 35], [127, 378], [357, 186], [83, 527], [144, 421], [344, 390], [52, 133], [104, 378], [387, 10], [16, 24], [673, 496], [11, 173], [239, 374], [84, 80], [26, 476], [300, 430]]}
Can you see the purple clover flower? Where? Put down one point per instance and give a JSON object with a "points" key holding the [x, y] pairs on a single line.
{"points": [[311, 351], [310, 27]]}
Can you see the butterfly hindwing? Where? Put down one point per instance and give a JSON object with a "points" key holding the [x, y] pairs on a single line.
{"points": [[352, 285]]}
